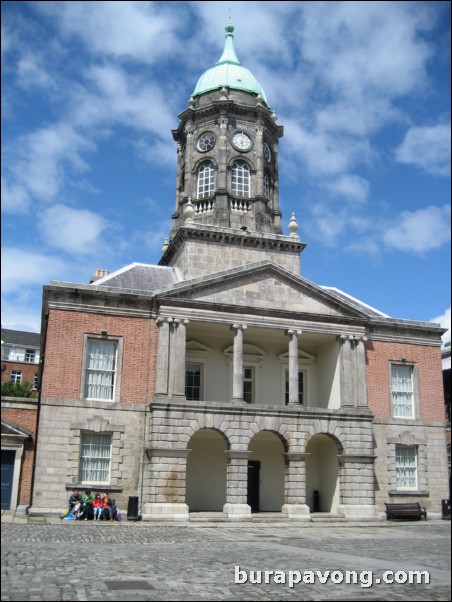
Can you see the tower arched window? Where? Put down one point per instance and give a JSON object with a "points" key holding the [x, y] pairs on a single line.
{"points": [[206, 180], [266, 186], [241, 180]]}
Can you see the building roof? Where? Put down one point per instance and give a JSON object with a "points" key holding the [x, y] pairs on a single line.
{"points": [[15, 430], [140, 277], [20, 338], [228, 72], [356, 303]]}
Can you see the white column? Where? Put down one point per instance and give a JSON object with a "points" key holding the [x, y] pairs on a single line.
{"points": [[161, 381], [237, 377], [353, 371], [179, 363], [293, 365]]}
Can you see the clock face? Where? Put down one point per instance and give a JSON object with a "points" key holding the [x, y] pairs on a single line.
{"points": [[241, 141], [267, 153], [206, 142]]}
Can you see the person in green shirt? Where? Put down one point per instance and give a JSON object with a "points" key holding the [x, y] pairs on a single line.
{"points": [[87, 505]]}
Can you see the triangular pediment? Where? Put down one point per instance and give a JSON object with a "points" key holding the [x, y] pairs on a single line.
{"points": [[11, 429], [263, 286]]}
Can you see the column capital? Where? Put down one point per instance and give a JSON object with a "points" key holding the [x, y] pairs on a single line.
{"points": [[239, 327], [181, 321], [163, 320], [293, 332], [354, 338]]}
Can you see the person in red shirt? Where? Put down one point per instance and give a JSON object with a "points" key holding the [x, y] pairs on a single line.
{"points": [[97, 506]]}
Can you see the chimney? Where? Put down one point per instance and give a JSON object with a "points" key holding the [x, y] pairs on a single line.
{"points": [[99, 274]]}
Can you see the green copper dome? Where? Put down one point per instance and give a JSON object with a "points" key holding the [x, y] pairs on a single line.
{"points": [[228, 72]]}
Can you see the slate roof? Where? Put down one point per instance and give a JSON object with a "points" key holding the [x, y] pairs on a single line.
{"points": [[21, 338], [140, 277]]}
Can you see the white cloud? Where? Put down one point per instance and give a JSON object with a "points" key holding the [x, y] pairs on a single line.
{"points": [[21, 314], [352, 188], [322, 153], [75, 231], [444, 320], [15, 198], [419, 231], [367, 45], [427, 148], [21, 269], [118, 96], [357, 59], [143, 31], [30, 72], [36, 162]]}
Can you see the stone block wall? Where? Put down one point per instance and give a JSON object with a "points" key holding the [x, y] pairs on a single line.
{"points": [[173, 424], [57, 469], [432, 467], [197, 258]]}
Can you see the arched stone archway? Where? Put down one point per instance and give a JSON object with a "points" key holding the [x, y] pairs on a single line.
{"points": [[206, 471], [266, 466], [322, 474]]}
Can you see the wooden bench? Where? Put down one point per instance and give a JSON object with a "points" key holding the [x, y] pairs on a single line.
{"points": [[408, 510]]}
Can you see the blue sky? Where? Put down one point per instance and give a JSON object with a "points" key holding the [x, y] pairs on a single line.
{"points": [[91, 91]]}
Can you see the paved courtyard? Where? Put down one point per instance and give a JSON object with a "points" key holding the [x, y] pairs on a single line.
{"points": [[196, 561]]}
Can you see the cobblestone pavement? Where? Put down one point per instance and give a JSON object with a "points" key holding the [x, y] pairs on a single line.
{"points": [[142, 561]]}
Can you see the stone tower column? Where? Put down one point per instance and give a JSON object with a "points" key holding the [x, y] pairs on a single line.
{"points": [[177, 358], [236, 506], [161, 381], [353, 371], [237, 377], [259, 191], [293, 365], [295, 487]]}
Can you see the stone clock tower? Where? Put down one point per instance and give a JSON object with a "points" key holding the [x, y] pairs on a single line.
{"points": [[227, 194]]}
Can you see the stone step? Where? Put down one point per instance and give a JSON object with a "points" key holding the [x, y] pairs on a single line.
{"points": [[327, 517]]}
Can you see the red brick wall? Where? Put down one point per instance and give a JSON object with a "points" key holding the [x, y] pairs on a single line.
{"points": [[28, 371], [64, 349], [26, 419], [428, 359]]}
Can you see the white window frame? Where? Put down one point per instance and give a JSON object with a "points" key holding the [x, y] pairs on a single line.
{"points": [[241, 180], [16, 377], [198, 353], [401, 465], [201, 379], [252, 380], [395, 407], [206, 180], [35, 382], [118, 367], [88, 457], [30, 356], [304, 374], [6, 352]]}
